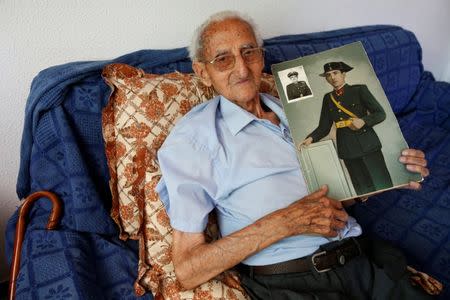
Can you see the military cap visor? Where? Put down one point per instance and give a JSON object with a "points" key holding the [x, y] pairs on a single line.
{"points": [[332, 66], [293, 73]]}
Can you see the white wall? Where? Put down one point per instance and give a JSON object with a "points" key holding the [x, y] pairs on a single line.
{"points": [[38, 34]]}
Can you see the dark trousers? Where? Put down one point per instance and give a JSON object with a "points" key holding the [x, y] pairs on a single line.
{"points": [[369, 173], [379, 274]]}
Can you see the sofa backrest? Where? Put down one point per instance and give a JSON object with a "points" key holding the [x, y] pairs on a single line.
{"points": [[62, 146]]}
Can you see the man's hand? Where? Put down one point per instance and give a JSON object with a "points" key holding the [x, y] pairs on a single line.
{"points": [[305, 142], [415, 162], [315, 214], [357, 123], [197, 261]]}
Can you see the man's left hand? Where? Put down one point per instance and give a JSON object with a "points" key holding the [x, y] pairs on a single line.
{"points": [[357, 123], [415, 162]]}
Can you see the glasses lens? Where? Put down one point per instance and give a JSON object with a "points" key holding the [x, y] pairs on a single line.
{"points": [[223, 62], [252, 55], [227, 61]]}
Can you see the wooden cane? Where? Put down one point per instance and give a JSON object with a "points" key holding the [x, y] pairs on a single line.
{"points": [[53, 221]]}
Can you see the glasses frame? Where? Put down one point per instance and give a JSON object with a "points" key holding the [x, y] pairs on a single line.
{"points": [[212, 62]]}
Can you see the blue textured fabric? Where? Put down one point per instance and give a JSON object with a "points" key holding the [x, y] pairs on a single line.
{"points": [[62, 151]]}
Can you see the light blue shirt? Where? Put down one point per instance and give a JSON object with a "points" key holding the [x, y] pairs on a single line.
{"points": [[219, 156]]}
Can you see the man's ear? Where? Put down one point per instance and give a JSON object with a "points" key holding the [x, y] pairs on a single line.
{"points": [[200, 70]]}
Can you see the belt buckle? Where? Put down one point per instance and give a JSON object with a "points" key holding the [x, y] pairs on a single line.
{"points": [[313, 257]]}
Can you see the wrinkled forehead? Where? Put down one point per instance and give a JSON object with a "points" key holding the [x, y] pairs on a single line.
{"points": [[222, 35]]}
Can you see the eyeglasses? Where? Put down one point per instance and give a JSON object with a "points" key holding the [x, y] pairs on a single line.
{"points": [[227, 61]]}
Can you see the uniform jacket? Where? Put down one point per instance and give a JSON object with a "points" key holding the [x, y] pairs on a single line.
{"points": [[351, 143], [297, 89]]}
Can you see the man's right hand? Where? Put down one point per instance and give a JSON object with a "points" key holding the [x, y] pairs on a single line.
{"points": [[196, 260], [305, 142], [315, 214]]}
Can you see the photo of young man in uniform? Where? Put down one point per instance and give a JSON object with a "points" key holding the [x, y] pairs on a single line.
{"points": [[354, 111], [297, 88]]}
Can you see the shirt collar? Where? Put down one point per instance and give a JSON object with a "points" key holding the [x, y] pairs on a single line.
{"points": [[236, 118]]}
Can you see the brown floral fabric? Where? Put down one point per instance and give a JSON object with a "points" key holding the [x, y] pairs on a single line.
{"points": [[140, 114]]}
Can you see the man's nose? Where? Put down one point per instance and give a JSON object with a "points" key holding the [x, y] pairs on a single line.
{"points": [[241, 66]]}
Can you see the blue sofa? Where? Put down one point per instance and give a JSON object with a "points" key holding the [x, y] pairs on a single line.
{"points": [[62, 151]]}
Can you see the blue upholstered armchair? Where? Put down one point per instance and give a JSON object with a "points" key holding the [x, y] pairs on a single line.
{"points": [[63, 152]]}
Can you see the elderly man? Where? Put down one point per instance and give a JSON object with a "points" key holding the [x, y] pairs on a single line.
{"points": [[296, 89], [234, 154], [354, 111]]}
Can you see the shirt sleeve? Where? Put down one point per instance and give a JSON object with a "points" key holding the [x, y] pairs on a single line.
{"points": [[187, 186]]}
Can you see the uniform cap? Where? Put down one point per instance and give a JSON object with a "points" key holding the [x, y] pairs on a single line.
{"points": [[339, 65], [293, 73]]}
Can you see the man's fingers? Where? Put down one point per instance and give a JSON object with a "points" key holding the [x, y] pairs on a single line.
{"points": [[331, 202], [330, 213], [413, 152], [418, 169], [413, 185], [352, 127], [412, 160], [305, 142], [358, 123], [319, 193], [415, 161], [341, 215], [324, 230], [331, 223]]}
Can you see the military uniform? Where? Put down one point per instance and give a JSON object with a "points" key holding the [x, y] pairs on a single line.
{"points": [[360, 149], [297, 89]]}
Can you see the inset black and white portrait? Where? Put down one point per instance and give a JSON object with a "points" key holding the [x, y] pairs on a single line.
{"points": [[296, 85]]}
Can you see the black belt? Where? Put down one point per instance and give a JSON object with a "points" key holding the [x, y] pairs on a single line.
{"points": [[325, 259]]}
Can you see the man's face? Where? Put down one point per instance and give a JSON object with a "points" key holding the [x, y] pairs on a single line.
{"points": [[294, 78], [239, 84], [336, 78]]}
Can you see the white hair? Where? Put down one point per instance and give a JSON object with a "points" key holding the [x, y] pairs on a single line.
{"points": [[197, 42]]}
